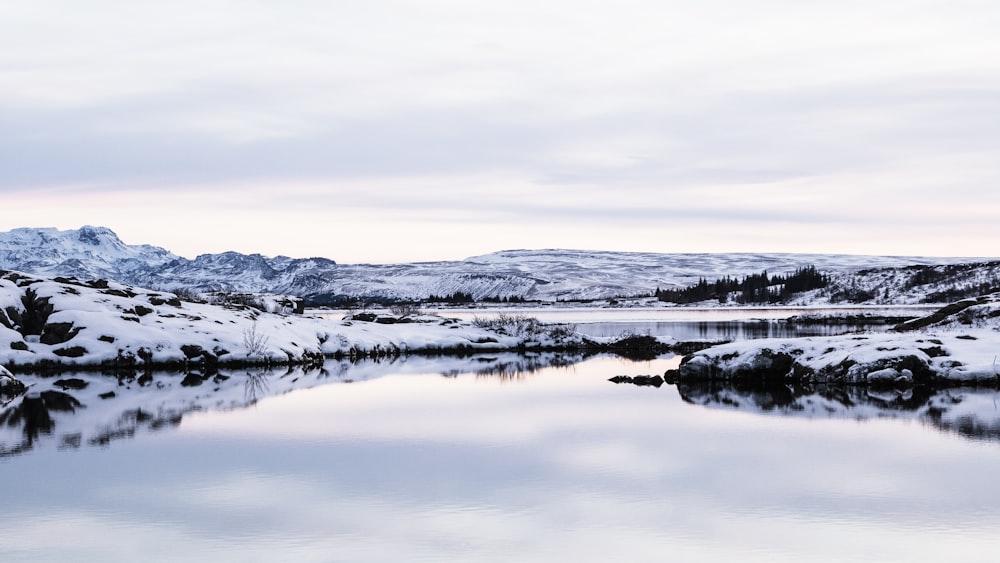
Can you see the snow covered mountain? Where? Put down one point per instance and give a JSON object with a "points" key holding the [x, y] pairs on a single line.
{"points": [[545, 275], [87, 253]]}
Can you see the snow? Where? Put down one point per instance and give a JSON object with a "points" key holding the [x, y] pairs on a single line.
{"points": [[118, 325], [960, 347], [544, 275]]}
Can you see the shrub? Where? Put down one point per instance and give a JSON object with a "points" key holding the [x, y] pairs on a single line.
{"points": [[255, 341], [510, 324], [405, 310]]}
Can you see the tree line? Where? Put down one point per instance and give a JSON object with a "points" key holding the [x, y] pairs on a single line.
{"points": [[752, 289]]}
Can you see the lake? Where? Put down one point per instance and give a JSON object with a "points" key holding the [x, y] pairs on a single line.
{"points": [[494, 458], [686, 323]]}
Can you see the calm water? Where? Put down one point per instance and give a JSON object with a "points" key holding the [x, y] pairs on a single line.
{"points": [[496, 458], [683, 323]]}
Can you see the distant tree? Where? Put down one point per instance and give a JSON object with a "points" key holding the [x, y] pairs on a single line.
{"points": [[752, 289]]}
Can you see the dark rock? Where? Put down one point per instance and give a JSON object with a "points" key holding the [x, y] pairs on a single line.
{"points": [[119, 293], [641, 380], [71, 352], [72, 383], [58, 333], [19, 345], [648, 380], [192, 350], [157, 301]]}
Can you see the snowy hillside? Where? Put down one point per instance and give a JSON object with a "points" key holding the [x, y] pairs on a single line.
{"points": [[543, 275]]}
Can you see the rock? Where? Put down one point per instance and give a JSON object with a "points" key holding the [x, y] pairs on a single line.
{"points": [[72, 383], [641, 380], [58, 333], [71, 352]]}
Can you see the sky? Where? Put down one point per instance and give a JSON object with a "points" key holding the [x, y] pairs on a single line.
{"points": [[400, 131]]}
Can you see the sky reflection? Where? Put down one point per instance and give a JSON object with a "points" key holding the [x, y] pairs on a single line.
{"points": [[559, 464]]}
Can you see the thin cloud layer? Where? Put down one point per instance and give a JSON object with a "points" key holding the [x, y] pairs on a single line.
{"points": [[637, 125]]}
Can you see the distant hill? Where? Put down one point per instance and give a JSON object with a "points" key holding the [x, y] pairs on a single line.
{"points": [[542, 275]]}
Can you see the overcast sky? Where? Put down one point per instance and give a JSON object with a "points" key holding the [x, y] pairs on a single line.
{"points": [[392, 131]]}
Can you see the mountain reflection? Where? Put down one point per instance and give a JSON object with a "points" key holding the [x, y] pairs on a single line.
{"points": [[971, 412]]}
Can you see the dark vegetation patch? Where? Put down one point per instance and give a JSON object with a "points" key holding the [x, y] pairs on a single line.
{"points": [[753, 289]]}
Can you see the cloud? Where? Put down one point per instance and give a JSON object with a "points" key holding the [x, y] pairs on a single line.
{"points": [[506, 114]]}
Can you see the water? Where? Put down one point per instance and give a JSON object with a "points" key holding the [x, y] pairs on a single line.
{"points": [[683, 323], [500, 458]]}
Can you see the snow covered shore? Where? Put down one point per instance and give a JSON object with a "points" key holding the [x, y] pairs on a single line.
{"points": [[958, 344], [65, 323]]}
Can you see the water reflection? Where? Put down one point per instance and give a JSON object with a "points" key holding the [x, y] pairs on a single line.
{"points": [[255, 386], [33, 415], [723, 330], [971, 412], [561, 464], [100, 409]]}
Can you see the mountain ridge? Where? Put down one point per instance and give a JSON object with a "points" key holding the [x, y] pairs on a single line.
{"points": [[547, 275]]}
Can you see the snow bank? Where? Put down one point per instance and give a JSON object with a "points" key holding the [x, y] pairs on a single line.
{"points": [[959, 343], [60, 323]]}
